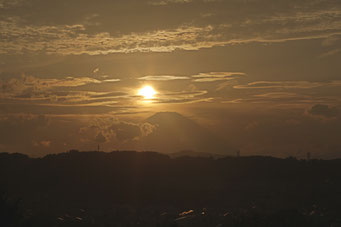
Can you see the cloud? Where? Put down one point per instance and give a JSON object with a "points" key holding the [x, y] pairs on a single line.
{"points": [[280, 98], [111, 130], [277, 95], [72, 39], [182, 97], [201, 77], [183, 101], [33, 88], [324, 111], [163, 78], [147, 128], [281, 85], [217, 76], [42, 143], [7, 4], [228, 83], [125, 131], [331, 41], [224, 27], [18, 85], [111, 80], [330, 53], [65, 82]]}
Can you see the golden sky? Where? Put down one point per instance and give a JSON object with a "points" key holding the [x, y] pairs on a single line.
{"points": [[263, 76]]}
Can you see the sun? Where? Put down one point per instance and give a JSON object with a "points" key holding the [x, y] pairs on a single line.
{"points": [[147, 92]]}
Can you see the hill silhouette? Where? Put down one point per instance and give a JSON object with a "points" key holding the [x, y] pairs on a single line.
{"points": [[190, 153], [99, 189], [174, 132]]}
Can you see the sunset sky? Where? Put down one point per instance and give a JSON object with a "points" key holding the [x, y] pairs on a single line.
{"points": [[263, 76]]}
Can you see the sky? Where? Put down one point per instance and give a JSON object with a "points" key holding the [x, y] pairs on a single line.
{"points": [[263, 76]]}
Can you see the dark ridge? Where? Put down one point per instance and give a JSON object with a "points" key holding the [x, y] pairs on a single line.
{"points": [[130, 181]]}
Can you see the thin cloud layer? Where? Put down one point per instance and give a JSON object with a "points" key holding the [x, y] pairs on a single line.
{"points": [[63, 92], [281, 84], [217, 76], [67, 40], [113, 129], [93, 35], [20, 86], [163, 78]]}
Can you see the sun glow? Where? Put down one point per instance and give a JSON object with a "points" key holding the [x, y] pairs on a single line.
{"points": [[147, 92]]}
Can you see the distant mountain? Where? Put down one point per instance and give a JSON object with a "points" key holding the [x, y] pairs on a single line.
{"points": [[174, 132]]}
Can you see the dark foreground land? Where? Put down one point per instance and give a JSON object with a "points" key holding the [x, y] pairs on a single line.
{"points": [[151, 189]]}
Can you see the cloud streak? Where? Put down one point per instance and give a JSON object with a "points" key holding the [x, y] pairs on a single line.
{"points": [[217, 76], [163, 78], [281, 85], [77, 39]]}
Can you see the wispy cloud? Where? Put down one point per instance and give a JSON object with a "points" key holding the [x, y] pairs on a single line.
{"points": [[17, 86], [183, 97], [275, 95], [113, 129], [330, 53], [163, 78], [6, 4], [217, 76], [65, 40], [281, 85], [32, 88], [76, 39]]}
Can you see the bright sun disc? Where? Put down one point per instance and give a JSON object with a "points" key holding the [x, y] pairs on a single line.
{"points": [[147, 92]]}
